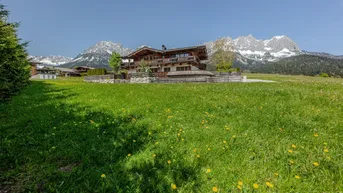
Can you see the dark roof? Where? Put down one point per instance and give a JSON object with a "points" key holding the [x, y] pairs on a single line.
{"points": [[166, 51]]}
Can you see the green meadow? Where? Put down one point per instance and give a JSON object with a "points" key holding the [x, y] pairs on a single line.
{"points": [[70, 136]]}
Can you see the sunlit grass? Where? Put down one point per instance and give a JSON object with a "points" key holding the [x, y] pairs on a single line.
{"points": [[72, 136]]}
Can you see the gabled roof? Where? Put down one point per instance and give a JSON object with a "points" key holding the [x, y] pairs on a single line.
{"points": [[165, 51], [144, 48]]}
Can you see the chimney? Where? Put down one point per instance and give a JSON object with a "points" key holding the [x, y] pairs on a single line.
{"points": [[164, 47]]}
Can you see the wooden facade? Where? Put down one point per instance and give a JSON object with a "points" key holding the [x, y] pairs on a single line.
{"points": [[163, 61]]}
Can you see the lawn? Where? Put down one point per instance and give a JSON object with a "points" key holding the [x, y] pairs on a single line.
{"points": [[71, 136]]}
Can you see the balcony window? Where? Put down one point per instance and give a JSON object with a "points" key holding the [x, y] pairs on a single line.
{"points": [[166, 70]]}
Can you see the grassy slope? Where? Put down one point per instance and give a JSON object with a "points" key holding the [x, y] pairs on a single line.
{"points": [[241, 132]]}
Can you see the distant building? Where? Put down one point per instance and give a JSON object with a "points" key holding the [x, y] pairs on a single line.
{"points": [[33, 69], [83, 69], [166, 60], [67, 72], [47, 73]]}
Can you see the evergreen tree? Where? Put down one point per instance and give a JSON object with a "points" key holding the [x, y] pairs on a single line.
{"points": [[14, 66]]}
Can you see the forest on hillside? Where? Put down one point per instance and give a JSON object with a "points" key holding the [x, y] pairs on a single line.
{"points": [[302, 65]]}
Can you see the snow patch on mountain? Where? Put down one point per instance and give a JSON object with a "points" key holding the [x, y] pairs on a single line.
{"points": [[51, 60], [262, 50]]}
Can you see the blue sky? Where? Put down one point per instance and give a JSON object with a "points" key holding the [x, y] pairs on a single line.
{"points": [[67, 27]]}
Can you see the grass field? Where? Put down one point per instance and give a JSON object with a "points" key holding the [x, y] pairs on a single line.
{"points": [[70, 136]]}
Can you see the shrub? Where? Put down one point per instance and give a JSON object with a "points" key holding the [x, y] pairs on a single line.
{"points": [[324, 75]]}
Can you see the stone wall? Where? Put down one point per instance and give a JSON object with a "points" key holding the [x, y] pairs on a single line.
{"points": [[104, 79], [142, 79]]}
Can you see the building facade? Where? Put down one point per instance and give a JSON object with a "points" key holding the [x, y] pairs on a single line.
{"points": [[165, 60]]}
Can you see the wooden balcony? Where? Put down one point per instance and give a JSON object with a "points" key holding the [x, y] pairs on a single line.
{"points": [[157, 62]]}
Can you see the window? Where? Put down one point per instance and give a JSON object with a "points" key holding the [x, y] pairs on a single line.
{"points": [[166, 70], [183, 68]]}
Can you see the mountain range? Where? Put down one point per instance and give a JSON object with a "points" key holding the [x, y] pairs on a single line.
{"points": [[250, 52]]}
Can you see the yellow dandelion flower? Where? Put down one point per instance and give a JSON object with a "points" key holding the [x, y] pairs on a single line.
{"points": [[173, 186], [290, 151], [208, 170], [209, 149], [270, 185], [169, 162], [153, 155], [215, 189], [149, 133], [234, 136], [255, 186], [291, 161], [224, 141], [103, 176], [326, 150], [294, 146], [156, 142], [316, 164], [129, 154], [239, 187], [316, 135], [240, 183], [198, 156], [297, 177], [276, 174], [182, 139]]}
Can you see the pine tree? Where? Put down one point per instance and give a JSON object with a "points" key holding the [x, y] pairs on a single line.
{"points": [[14, 66]]}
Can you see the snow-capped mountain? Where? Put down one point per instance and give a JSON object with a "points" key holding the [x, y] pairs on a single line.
{"points": [[51, 60], [261, 50], [98, 55]]}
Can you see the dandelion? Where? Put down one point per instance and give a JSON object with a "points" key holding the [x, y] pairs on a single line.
{"points": [[215, 189], [153, 155], [169, 162], [208, 170], [316, 164], [239, 187], [128, 155], [270, 185], [290, 151], [240, 183], [297, 177], [276, 174], [255, 186], [291, 161], [224, 141], [103, 176], [326, 150], [294, 146], [149, 133], [198, 156], [209, 149], [234, 136], [156, 142], [173, 186], [316, 135]]}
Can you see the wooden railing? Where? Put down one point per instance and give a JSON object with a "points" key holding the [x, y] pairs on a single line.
{"points": [[165, 61]]}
